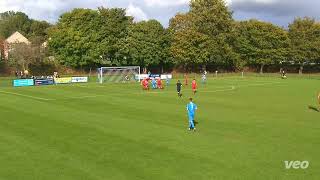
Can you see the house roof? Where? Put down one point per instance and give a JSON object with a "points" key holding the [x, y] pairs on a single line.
{"points": [[17, 38]]}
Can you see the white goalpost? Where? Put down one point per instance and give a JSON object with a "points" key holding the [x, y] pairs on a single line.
{"points": [[123, 74]]}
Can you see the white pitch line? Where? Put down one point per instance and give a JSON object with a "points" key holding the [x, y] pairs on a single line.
{"points": [[23, 95]]}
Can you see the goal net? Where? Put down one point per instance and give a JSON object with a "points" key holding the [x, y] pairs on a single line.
{"points": [[119, 74]]}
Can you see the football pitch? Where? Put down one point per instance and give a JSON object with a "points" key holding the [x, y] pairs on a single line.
{"points": [[248, 127]]}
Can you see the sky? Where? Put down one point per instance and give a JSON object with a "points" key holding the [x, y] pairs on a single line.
{"points": [[280, 12]]}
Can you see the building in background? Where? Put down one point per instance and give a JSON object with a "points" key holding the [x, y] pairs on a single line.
{"points": [[15, 38]]}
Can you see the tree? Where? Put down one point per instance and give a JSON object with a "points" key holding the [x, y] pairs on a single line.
{"points": [[73, 38], [180, 23], [190, 47], [22, 55], [114, 27], [211, 17], [10, 22], [304, 34], [38, 33], [146, 43], [260, 43], [202, 36], [86, 37]]}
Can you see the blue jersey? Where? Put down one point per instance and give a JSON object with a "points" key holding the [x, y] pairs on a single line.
{"points": [[191, 108], [153, 81]]}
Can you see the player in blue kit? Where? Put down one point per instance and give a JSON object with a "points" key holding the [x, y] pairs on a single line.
{"points": [[191, 108], [154, 83]]}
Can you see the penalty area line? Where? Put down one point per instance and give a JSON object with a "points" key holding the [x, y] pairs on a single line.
{"points": [[27, 96]]}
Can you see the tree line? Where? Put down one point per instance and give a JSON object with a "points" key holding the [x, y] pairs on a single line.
{"points": [[35, 31], [206, 35]]}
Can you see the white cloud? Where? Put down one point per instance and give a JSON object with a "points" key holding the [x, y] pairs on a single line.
{"points": [[271, 10], [47, 9], [136, 12], [166, 3]]}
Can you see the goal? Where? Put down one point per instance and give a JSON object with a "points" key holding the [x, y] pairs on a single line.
{"points": [[123, 74]]}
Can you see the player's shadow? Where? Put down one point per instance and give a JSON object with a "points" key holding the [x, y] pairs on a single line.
{"points": [[313, 108], [195, 122]]}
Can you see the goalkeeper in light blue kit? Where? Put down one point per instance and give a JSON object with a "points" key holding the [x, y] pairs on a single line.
{"points": [[154, 83], [191, 108]]}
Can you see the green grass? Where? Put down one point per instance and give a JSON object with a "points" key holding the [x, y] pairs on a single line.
{"points": [[106, 132]]}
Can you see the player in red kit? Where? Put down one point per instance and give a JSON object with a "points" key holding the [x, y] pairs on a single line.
{"points": [[145, 84], [142, 83], [194, 86], [159, 83]]}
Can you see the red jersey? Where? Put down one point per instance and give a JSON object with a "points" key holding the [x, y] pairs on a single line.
{"points": [[145, 83], [194, 84]]}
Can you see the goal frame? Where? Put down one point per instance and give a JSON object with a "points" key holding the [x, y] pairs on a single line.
{"points": [[118, 68]]}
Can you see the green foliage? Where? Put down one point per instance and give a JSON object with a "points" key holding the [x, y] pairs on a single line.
{"points": [[38, 33], [44, 67], [260, 43], [11, 22], [190, 47], [87, 37], [71, 39], [205, 35], [113, 30], [304, 41], [146, 43], [202, 35], [211, 17]]}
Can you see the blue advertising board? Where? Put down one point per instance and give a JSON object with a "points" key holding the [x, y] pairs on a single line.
{"points": [[23, 82], [79, 79], [41, 82], [154, 75]]}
